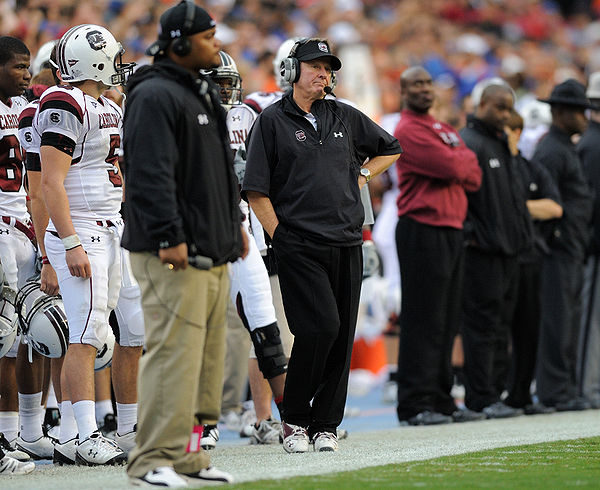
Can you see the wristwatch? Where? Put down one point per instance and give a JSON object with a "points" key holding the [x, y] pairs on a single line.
{"points": [[366, 173]]}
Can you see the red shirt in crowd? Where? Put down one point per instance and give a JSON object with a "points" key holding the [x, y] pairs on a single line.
{"points": [[434, 171]]}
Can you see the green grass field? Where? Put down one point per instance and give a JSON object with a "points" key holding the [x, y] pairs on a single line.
{"points": [[547, 466]]}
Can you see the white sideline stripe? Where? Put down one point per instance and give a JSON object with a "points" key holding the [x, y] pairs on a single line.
{"points": [[361, 449]]}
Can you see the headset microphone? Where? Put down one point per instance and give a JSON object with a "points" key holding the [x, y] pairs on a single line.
{"points": [[329, 91]]}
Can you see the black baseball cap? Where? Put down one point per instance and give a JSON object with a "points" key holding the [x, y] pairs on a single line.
{"points": [[172, 25], [314, 49]]}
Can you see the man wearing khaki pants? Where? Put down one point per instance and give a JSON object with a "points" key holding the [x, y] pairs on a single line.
{"points": [[181, 208]]}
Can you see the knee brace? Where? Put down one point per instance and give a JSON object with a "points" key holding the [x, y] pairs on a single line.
{"points": [[269, 351]]}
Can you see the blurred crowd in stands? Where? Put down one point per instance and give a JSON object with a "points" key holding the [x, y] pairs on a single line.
{"points": [[531, 43]]}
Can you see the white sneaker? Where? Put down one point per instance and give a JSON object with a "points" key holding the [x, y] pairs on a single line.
{"points": [[10, 466], [126, 441], [98, 450], [267, 432], [295, 438], [208, 476], [65, 453], [247, 419], [210, 436], [10, 450], [41, 448], [163, 476], [325, 441], [231, 420]]}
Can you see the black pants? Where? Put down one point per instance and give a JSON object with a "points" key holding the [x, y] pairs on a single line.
{"points": [[562, 281], [525, 329], [431, 267], [489, 299], [320, 287]]}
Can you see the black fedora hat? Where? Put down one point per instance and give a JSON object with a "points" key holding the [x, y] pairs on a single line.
{"points": [[570, 93]]}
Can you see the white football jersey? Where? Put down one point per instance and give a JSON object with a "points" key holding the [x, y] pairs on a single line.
{"points": [[240, 119], [259, 101], [28, 137], [66, 117], [13, 197]]}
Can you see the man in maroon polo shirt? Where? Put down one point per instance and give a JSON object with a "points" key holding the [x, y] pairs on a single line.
{"points": [[434, 173]]}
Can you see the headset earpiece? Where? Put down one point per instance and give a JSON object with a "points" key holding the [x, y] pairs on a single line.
{"points": [[290, 66], [290, 70], [181, 46]]}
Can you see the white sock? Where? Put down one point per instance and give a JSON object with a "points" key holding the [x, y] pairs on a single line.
{"points": [[29, 416], [103, 408], [51, 401], [68, 426], [126, 417], [85, 416], [42, 415], [9, 425]]}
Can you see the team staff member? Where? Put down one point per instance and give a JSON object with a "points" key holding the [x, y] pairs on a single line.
{"points": [[434, 173], [497, 228], [562, 268], [303, 180], [182, 205], [542, 204]]}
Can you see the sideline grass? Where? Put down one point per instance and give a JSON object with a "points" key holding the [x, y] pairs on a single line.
{"points": [[563, 464]]}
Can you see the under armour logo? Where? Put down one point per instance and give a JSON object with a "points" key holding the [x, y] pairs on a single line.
{"points": [[338, 135], [202, 119], [236, 118], [4, 231], [494, 163], [95, 239], [92, 453]]}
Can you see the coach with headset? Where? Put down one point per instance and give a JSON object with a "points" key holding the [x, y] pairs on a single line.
{"points": [[182, 226], [303, 177]]}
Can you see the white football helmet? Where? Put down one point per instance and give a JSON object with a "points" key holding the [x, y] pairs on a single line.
{"points": [[282, 53], [42, 58], [90, 52], [105, 353], [229, 80], [43, 321], [8, 318]]}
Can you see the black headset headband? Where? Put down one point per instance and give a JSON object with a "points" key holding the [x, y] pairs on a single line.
{"points": [[190, 16]]}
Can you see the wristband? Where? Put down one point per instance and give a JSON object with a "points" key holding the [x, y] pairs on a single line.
{"points": [[71, 241], [45, 260]]}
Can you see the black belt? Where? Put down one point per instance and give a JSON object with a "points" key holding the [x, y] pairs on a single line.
{"points": [[106, 223]]}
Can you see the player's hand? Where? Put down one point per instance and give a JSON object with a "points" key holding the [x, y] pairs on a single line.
{"points": [[245, 244], [174, 258], [78, 263], [48, 280]]}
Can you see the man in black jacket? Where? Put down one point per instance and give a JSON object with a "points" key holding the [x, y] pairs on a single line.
{"points": [[568, 237], [588, 149], [181, 207], [496, 229], [303, 178]]}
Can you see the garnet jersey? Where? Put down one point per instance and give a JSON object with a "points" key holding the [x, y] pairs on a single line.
{"points": [[12, 171], [29, 137], [89, 130]]}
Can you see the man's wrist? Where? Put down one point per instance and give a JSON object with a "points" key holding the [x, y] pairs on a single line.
{"points": [[70, 242]]}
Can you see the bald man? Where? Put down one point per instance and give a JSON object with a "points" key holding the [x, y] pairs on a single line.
{"points": [[498, 227], [434, 174]]}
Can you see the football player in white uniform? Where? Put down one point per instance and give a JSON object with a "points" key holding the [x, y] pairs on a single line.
{"points": [[250, 287], [82, 188], [17, 253]]}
